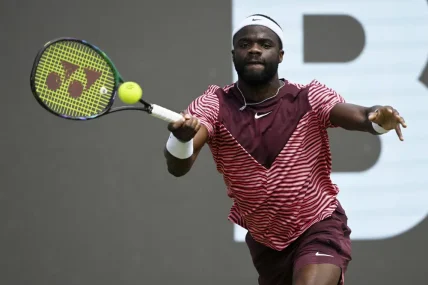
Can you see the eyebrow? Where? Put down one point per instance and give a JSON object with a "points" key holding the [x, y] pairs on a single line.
{"points": [[257, 39]]}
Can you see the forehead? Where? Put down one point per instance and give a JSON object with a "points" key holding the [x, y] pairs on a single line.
{"points": [[256, 32]]}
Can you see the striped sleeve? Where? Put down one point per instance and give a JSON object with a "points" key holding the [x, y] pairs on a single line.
{"points": [[206, 109], [322, 100]]}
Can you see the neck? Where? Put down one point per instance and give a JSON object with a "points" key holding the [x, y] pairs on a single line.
{"points": [[257, 93]]}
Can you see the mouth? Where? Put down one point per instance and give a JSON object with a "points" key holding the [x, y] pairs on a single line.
{"points": [[254, 63]]}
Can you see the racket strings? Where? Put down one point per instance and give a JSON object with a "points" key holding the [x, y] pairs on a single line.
{"points": [[74, 80]]}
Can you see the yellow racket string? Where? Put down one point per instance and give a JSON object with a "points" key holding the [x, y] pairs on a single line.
{"points": [[74, 80]]}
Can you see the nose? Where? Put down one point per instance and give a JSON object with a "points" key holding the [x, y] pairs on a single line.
{"points": [[255, 49]]}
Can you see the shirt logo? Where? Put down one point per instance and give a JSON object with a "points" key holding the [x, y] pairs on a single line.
{"points": [[321, 254], [257, 116]]}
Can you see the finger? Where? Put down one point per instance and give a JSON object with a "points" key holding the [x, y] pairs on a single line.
{"points": [[396, 115], [185, 114], [176, 125], [401, 121], [192, 121], [172, 127], [189, 122], [198, 126], [398, 131], [399, 118], [195, 123], [386, 109]]}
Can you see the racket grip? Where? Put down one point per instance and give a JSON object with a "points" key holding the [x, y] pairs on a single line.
{"points": [[165, 114]]}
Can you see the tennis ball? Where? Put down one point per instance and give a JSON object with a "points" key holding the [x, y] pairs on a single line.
{"points": [[130, 92]]}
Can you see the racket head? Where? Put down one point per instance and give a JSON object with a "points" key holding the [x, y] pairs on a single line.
{"points": [[74, 79]]}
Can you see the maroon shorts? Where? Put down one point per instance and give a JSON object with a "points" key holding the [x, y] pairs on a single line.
{"points": [[327, 241]]}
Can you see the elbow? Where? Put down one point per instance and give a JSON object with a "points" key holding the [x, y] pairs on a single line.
{"points": [[176, 173], [177, 167], [177, 170]]}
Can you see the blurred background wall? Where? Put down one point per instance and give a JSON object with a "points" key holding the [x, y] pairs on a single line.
{"points": [[84, 203]]}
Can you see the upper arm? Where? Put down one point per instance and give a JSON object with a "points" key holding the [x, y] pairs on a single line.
{"points": [[323, 99], [333, 111]]}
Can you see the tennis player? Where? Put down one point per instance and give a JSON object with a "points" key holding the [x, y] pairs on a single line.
{"points": [[268, 137]]}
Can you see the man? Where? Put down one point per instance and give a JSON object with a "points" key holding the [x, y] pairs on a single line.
{"points": [[268, 137]]}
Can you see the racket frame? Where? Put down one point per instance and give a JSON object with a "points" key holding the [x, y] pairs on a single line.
{"points": [[118, 80]]}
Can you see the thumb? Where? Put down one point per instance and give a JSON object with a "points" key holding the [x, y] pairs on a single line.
{"points": [[373, 116], [185, 114], [176, 125]]}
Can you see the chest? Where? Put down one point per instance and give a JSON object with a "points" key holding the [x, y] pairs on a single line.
{"points": [[264, 131]]}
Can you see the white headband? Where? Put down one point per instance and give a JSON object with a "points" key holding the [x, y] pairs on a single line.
{"points": [[260, 21]]}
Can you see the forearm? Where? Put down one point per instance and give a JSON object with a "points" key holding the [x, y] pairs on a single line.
{"points": [[180, 156], [353, 117], [176, 166]]}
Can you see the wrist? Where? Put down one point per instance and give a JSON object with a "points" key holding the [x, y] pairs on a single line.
{"points": [[178, 148], [378, 129]]}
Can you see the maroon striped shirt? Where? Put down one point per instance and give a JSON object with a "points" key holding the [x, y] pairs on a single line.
{"points": [[274, 157]]}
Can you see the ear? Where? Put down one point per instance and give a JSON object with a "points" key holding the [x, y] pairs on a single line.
{"points": [[281, 55]]}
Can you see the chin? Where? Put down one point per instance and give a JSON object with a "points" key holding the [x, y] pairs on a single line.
{"points": [[253, 76], [253, 73], [255, 80]]}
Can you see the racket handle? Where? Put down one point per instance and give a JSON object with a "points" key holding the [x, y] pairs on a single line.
{"points": [[165, 114]]}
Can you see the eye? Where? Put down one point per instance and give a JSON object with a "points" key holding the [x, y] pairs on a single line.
{"points": [[266, 45], [243, 44]]}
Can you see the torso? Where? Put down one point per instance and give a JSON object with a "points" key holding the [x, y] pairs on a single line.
{"points": [[276, 166]]}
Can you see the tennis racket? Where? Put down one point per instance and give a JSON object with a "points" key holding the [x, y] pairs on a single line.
{"points": [[75, 80]]}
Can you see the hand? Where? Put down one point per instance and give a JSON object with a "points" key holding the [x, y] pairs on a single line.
{"points": [[185, 129], [388, 118]]}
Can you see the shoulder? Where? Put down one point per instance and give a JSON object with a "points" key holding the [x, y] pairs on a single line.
{"points": [[212, 96], [208, 103], [213, 92], [208, 98], [314, 87], [317, 88], [319, 93], [216, 90]]}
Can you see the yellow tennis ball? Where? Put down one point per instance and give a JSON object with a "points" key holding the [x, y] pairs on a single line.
{"points": [[130, 92]]}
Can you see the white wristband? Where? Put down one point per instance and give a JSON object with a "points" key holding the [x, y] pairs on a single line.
{"points": [[179, 149], [379, 129]]}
